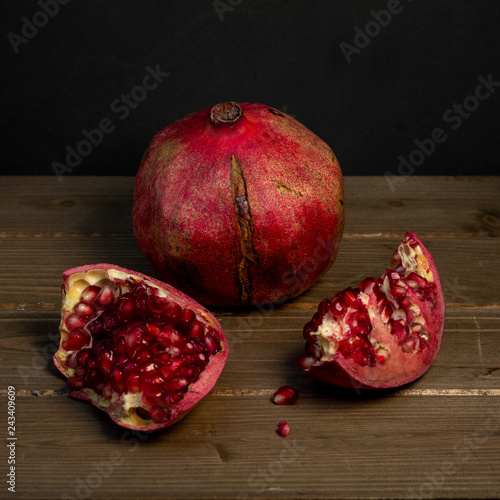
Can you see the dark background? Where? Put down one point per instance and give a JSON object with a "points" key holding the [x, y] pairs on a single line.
{"points": [[285, 54]]}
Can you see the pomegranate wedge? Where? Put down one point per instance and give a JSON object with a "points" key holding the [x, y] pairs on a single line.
{"points": [[137, 348], [387, 332]]}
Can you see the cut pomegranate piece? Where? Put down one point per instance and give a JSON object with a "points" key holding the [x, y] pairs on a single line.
{"points": [[387, 332], [135, 347]]}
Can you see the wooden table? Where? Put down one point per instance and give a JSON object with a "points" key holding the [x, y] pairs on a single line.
{"points": [[436, 438]]}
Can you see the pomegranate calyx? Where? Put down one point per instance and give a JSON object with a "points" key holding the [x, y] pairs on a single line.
{"points": [[226, 113]]}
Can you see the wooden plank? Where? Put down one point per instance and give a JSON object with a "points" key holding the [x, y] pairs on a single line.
{"points": [[387, 447], [263, 352], [103, 205], [31, 269], [437, 437]]}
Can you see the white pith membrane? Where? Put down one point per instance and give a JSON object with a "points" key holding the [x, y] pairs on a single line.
{"points": [[129, 406], [388, 301]]}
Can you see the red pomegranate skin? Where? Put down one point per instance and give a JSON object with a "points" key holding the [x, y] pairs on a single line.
{"points": [[239, 208]]}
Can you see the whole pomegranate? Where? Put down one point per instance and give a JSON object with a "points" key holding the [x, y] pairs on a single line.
{"points": [[385, 333], [136, 348], [239, 204]]}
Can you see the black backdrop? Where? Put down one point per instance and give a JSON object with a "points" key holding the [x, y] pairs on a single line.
{"points": [[374, 79]]}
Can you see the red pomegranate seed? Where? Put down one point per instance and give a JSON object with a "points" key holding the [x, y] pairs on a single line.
{"points": [[132, 337], [107, 389], [304, 363], [169, 336], [286, 395], [133, 381], [75, 322], [186, 316], [359, 323], [152, 395], [148, 366], [171, 367], [172, 312], [105, 296], [349, 296], [75, 383], [176, 384], [324, 307], [156, 304], [387, 312], [72, 359], [196, 330], [313, 349], [361, 358], [129, 366], [153, 379], [84, 310], [366, 284], [90, 362], [117, 380], [307, 332], [316, 321], [212, 344], [142, 354], [104, 361], [153, 329], [95, 379], [90, 293], [109, 321], [345, 348], [77, 340], [283, 429], [140, 305], [338, 308], [126, 309]]}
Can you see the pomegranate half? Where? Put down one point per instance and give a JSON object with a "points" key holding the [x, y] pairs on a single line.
{"points": [[239, 204], [387, 332], [135, 347]]}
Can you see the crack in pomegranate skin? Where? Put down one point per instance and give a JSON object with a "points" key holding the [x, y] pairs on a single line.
{"points": [[385, 333], [245, 225], [135, 347]]}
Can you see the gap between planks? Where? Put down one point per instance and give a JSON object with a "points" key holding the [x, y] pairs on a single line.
{"points": [[393, 235], [270, 392]]}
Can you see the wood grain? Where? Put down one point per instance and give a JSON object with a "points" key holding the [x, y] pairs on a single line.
{"points": [[436, 438]]}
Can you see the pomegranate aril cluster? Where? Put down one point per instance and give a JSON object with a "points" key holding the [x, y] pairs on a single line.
{"points": [[126, 338], [347, 316]]}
